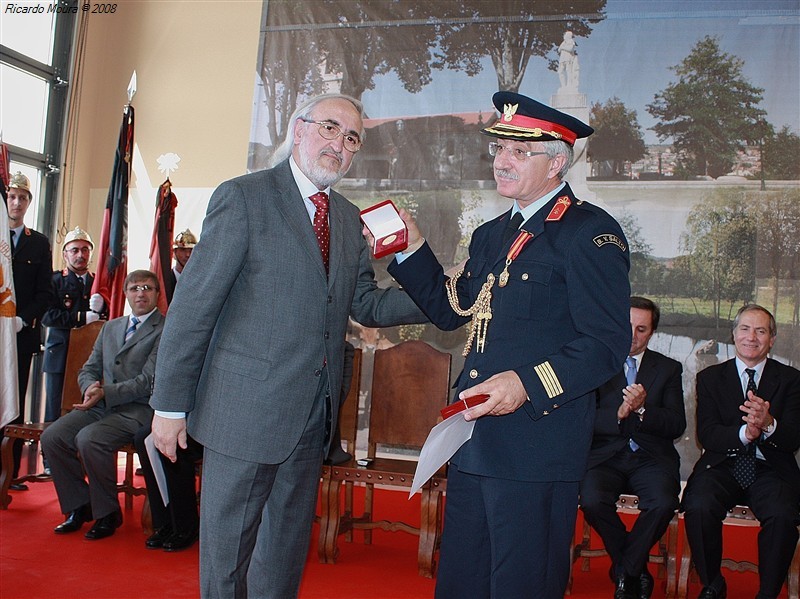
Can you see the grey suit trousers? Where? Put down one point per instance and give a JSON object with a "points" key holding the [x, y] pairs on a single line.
{"points": [[263, 510], [88, 441]]}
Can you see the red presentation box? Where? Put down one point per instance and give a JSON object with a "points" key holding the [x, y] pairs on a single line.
{"points": [[390, 232], [463, 404]]}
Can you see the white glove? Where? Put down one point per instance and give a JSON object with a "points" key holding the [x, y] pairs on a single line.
{"points": [[91, 317], [96, 303], [18, 323]]}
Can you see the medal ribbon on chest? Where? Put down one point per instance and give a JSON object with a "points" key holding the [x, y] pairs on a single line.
{"points": [[481, 310]]}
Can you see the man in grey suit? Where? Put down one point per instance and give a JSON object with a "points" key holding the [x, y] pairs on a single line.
{"points": [[252, 352], [116, 382]]}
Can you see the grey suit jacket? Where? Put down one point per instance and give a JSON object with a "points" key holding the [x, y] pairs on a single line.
{"points": [[126, 369], [255, 318]]}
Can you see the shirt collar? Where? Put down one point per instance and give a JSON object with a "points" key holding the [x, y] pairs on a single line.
{"points": [[759, 368], [143, 317], [533, 208]]}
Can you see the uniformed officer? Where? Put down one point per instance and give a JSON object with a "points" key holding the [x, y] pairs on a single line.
{"points": [[546, 291], [182, 249], [32, 267], [71, 309]]}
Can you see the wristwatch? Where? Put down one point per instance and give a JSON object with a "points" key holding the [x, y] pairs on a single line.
{"points": [[768, 430], [640, 411]]}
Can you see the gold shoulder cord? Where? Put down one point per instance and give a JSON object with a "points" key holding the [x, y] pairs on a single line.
{"points": [[481, 310]]}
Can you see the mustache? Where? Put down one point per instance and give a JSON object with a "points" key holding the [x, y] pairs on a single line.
{"points": [[330, 152], [506, 174]]}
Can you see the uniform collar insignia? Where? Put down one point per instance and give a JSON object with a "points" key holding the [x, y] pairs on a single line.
{"points": [[562, 205]]}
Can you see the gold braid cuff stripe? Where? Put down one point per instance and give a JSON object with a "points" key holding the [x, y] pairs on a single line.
{"points": [[549, 379]]}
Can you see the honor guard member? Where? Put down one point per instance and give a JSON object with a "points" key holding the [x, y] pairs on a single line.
{"points": [[32, 266], [182, 249], [545, 290], [73, 286]]}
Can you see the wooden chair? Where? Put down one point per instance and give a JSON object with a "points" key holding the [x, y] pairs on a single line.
{"points": [[740, 515], [81, 342], [410, 384], [666, 555], [348, 429]]}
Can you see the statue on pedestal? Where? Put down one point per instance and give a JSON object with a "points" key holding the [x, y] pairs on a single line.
{"points": [[568, 67]]}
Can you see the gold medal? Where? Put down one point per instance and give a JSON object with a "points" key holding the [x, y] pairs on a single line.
{"points": [[503, 280]]}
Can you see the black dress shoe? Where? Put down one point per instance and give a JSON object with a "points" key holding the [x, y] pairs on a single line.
{"points": [[74, 521], [156, 540], [18, 487], [627, 587], [645, 584], [712, 593], [105, 526], [338, 455], [181, 540]]}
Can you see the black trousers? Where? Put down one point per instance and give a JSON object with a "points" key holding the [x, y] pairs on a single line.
{"points": [[711, 492], [636, 473], [181, 512]]}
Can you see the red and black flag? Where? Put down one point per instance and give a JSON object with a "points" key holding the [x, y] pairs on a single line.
{"points": [[112, 263], [5, 173], [161, 243]]}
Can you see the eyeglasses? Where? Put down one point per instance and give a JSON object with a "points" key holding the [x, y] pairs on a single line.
{"points": [[496, 149], [328, 130], [138, 288], [75, 251]]}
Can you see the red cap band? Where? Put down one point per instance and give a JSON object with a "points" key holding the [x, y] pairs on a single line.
{"points": [[537, 127]]}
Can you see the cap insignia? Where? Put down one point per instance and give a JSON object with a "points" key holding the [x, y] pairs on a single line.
{"points": [[509, 110]]}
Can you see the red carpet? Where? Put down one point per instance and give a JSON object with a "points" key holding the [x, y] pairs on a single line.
{"points": [[35, 563]]}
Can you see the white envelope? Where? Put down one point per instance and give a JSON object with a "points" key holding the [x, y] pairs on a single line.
{"points": [[443, 441], [158, 467]]}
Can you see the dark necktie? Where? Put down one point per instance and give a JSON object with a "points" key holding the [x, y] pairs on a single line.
{"points": [[744, 468], [13, 242], [513, 227], [630, 377], [321, 228]]}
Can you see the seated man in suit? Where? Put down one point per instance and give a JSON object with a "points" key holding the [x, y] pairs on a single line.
{"points": [[176, 524], [116, 383], [748, 422], [639, 413]]}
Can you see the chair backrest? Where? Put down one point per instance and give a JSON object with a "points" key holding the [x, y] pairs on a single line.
{"points": [[410, 384], [81, 342], [348, 415]]}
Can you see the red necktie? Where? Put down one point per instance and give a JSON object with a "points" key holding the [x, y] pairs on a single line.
{"points": [[321, 228]]}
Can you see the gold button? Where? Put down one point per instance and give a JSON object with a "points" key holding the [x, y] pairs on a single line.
{"points": [[545, 413], [473, 374], [524, 276], [555, 406]]}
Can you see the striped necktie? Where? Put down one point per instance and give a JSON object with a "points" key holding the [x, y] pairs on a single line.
{"points": [[131, 328]]}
